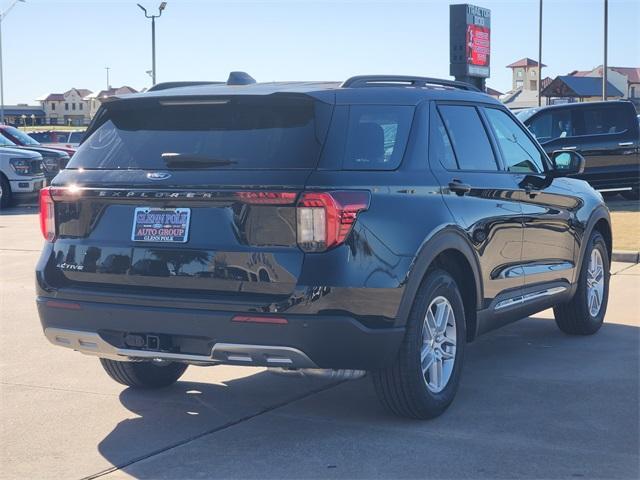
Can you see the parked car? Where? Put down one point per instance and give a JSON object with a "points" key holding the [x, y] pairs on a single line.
{"points": [[21, 175], [606, 133], [57, 138], [53, 160], [20, 138], [379, 224]]}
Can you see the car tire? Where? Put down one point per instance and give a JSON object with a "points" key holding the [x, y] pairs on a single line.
{"points": [[147, 375], [581, 315], [405, 388], [5, 192], [631, 194]]}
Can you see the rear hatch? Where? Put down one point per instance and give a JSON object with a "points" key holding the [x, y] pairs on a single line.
{"points": [[194, 196]]}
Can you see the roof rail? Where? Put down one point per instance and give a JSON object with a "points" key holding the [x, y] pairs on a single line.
{"points": [[404, 81], [167, 85]]}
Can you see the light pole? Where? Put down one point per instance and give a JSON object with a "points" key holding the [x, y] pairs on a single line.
{"points": [[540, 55], [2, 15], [107, 69], [606, 34], [162, 6]]}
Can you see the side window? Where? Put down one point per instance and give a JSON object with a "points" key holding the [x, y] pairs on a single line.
{"points": [[518, 152], [552, 124], [469, 138], [440, 148], [601, 121], [377, 136]]}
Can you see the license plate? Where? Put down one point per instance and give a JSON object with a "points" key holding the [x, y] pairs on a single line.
{"points": [[164, 225]]}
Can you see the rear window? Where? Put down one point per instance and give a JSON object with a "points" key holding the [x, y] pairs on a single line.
{"points": [[274, 132], [376, 136]]}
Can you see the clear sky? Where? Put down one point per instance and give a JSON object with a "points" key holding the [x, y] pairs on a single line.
{"points": [[53, 45]]}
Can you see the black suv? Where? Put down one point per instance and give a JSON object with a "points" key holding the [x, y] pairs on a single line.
{"points": [[606, 133], [379, 224]]}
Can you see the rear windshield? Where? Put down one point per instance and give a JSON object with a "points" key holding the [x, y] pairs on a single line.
{"points": [[275, 132]]}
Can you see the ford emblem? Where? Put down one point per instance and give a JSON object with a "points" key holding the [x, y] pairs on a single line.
{"points": [[158, 175]]}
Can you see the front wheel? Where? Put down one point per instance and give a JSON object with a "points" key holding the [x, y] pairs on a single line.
{"points": [[425, 376], [584, 313], [146, 375]]}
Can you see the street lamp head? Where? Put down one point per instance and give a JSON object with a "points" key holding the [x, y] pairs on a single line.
{"points": [[142, 8], [163, 5]]}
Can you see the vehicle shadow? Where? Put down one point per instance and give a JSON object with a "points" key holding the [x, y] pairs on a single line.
{"points": [[165, 418], [20, 210], [620, 204], [525, 388]]}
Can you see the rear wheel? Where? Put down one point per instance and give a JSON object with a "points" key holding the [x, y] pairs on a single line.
{"points": [[584, 314], [5, 192], [425, 376], [144, 374], [631, 194]]}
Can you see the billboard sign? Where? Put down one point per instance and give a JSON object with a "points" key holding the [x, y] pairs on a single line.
{"points": [[470, 40]]}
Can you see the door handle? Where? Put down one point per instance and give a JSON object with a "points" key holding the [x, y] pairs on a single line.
{"points": [[459, 188], [569, 148], [625, 144]]}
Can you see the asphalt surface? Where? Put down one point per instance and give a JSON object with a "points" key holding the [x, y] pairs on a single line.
{"points": [[533, 403]]}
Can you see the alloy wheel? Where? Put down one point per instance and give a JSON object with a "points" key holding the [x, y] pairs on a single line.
{"points": [[438, 351], [595, 282]]}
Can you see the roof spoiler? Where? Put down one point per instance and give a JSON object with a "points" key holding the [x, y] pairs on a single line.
{"points": [[167, 85], [235, 78]]}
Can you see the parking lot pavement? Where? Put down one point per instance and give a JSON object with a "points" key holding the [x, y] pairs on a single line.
{"points": [[533, 403]]}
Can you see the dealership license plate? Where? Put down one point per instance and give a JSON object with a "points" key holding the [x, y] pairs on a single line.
{"points": [[166, 225]]}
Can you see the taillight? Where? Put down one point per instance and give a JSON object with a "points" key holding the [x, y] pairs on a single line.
{"points": [[47, 215], [325, 218]]}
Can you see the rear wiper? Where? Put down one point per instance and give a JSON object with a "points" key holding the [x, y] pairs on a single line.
{"points": [[187, 160]]}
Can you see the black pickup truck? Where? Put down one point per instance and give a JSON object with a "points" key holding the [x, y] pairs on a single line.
{"points": [[605, 133]]}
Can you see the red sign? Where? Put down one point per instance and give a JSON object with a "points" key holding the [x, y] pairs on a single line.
{"points": [[478, 42]]}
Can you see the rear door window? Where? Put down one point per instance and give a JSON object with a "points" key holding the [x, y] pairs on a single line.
{"points": [[601, 120], [469, 138], [248, 132], [440, 147], [377, 136]]}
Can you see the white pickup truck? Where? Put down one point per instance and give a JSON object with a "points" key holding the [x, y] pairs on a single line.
{"points": [[21, 175]]}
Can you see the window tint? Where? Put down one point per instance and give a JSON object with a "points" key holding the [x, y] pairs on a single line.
{"points": [[552, 124], [244, 132], [469, 138], [518, 152], [376, 136], [601, 120], [440, 145]]}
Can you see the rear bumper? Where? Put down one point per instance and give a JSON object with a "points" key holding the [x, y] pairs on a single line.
{"points": [[204, 336]]}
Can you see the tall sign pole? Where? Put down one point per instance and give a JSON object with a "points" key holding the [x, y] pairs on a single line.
{"points": [[469, 43]]}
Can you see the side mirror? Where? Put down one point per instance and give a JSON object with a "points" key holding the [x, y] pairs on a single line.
{"points": [[567, 163]]}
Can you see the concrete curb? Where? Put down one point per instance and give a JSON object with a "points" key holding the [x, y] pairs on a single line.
{"points": [[627, 256]]}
